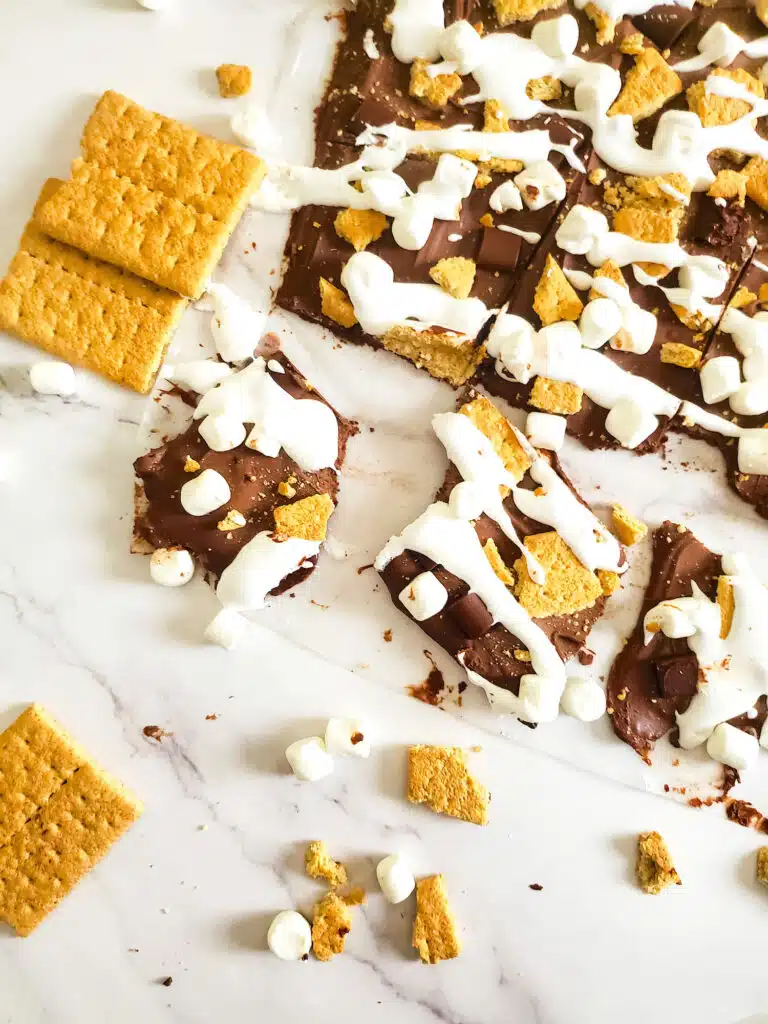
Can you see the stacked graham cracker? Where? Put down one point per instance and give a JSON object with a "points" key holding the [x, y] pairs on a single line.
{"points": [[109, 259]]}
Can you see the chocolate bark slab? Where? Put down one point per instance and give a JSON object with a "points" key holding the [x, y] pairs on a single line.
{"points": [[253, 479], [649, 684]]}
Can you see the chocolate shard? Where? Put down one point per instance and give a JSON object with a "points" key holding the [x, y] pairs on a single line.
{"points": [[471, 616], [723, 226], [664, 25], [499, 250], [677, 676]]}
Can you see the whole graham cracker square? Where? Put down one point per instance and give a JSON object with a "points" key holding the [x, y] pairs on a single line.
{"points": [[151, 195], [85, 311], [60, 816]]}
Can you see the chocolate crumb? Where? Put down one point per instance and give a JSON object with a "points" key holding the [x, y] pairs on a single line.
{"points": [[355, 738], [535, 886], [167, 981], [154, 732], [388, 636], [211, 718], [429, 690]]}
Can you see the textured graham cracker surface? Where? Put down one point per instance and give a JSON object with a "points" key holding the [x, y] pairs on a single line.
{"points": [[439, 777], [151, 195], [85, 311], [435, 933], [59, 815]]}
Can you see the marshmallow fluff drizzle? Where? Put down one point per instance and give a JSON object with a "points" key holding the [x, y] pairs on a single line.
{"points": [[445, 533]]}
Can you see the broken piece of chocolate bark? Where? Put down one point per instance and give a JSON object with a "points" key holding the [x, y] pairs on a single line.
{"points": [[509, 569]]}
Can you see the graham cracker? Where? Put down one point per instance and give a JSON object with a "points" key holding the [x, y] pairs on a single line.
{"points": [[628, 528], [604, 23], [331, 923], [455, 275], [318, 863], [569, 586], [762, 865], [442, 354], [679, 354], [435, 933], [434, 90], [360, 227], [647, 87], [85, 311], [439, 777], [234, 80], [59, 815], [306, 519], [499, 431], [655, 870], [510, 11], [151, 195], [497, 563], [555, 298], [556, 396], [335, 304], [720, 110], [727, 602]]}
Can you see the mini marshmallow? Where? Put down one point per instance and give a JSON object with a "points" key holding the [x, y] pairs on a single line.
{"points": [[539, 699], [638, 330], [412, 226], [171, 567], [395, 878], [512, 342], [461, 44], [309, 760], [540, 184], [720, 378], [345, 736], [545, 430], [222, 433], [556, 350], [629, 423], [583, 699], [424, 596], [289, 936], [751, 399], [506, 197], [204, 493], [225, 628], [764, 735], [466, 500], [753, 452], [731, 746], [557, 37], [600, 321], [581, 229], [52, 378], [386, 190], [252, 128], [198, 375], [235, 325]]}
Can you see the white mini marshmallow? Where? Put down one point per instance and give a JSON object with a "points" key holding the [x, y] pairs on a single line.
{"points": [[171, 567], [235, 325], [222, 433], [720, 378], [583, 699], [629, 423], [539, 699], [225, 628], [764, 735], [600, 321], [461, 44], [412, 226], [424, 596], [386, 190], [581, 229], [309, 760], [466, 500], [540, 184], [512, 341], [753, 452], [751, 399], [557, 37], [395, 878], [557, 349], [545, 430], [204, 493], [198, 375], [289, 936], [731, 746], [506, 197], [252, 128], [52, 378], [638, 330], [345, 736]]}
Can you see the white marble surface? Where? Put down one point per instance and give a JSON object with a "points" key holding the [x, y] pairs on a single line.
{"points": [[84, 632]]}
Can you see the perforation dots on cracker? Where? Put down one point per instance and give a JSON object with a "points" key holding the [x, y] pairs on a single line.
{"points": [[440, 778]]}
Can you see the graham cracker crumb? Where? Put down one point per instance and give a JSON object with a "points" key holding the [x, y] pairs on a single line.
{"points": [[555, 298], [632, 44], [335, 304], [497, 563], [306, 519], [678, 354], [355, 897], [234, 80], [545, 88], [435, 90], [647, 225], [609, 581], [439, 777], [727, 603], [655, 870], [318, 863], [556, 396], [605, 25], [742, 297], [495, 118], [510, 11], [720, 110], [191, 465], [647, 87], [569, 586], [729, 184], [500, 432], [762, 865], [444, 355], [522, 655], [628, 528], [757, 181], [360, 227], [482, 179], [331, 923], [233, 520], [762, 293], [597, 176], [487, 220], [610, 270], [435, 933], [455, 275], [286, 489]]}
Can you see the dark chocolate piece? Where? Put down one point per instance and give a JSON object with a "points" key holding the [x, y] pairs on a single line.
{"points": [[664, 25], [499, 250], [721, 225], [470, 615], [678, 676]]}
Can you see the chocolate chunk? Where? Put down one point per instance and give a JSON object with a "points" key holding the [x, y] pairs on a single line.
{"points": [[677, 676], [586, 656], [724, 227], [499, 250], [471, 616], [664, 25]]}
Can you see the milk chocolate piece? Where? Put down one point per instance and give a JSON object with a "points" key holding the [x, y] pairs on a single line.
{"points": [[678, 676], [664, 25], [499, 250], [726, 226], [471, 616]]}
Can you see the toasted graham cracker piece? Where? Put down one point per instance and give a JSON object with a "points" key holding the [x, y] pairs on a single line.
{"points": [[757, 181], [497, 563], [499, 431], [331, 923], [544, 88], [647, 87], [495, 117], [555, 298], [610, 270], [569, 586], [605, 25], [655, 870], [234, 80], [729, 184], [318, 863], [609, 581], [628, 528], [727, 602], [72, 813], [335, 304], [678, 354], [742, 297], [762, 865], [435, 933], [434, 90], [442, 354], [510, 11], [719, 110], [84, 311], [306, 519], [151, 196], [555, 396], [360, 227], [455, 275], [439, 777]]}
